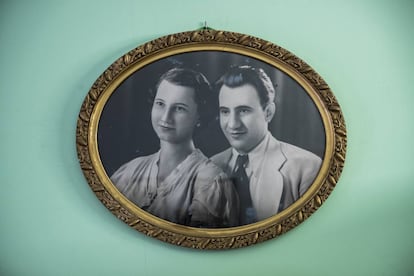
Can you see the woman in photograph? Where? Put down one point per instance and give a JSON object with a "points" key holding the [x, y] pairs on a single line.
{"points": [[178, 183]]}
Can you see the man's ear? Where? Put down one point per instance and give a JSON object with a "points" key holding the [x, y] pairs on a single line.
{"points": [[269, 111]]}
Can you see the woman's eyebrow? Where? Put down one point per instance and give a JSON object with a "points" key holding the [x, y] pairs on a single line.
{"points": [[186, 105]]}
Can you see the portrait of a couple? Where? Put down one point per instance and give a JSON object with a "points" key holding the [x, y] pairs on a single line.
{"points": [[253, 176]]}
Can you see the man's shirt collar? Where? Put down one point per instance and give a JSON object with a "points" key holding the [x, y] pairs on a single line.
{"points": [[255, 156]]}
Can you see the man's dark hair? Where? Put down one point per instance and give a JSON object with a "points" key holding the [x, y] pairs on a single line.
{"points": [[196, 80], [240, 75]]}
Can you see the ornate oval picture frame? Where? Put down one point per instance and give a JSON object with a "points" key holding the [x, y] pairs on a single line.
{"points": [[161, 153]]}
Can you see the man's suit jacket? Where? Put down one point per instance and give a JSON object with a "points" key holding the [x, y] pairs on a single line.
{"points": [[285, 173]]}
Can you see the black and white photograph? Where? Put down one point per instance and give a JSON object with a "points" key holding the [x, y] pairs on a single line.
{"points": [[211, 139]]}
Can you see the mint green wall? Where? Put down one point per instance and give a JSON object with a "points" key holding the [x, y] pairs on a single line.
{"points": [[52, 51]]}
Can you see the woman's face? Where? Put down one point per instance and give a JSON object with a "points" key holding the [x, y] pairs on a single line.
{"points": [[174, 113]]}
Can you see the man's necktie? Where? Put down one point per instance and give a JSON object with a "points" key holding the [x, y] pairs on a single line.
{"points": [[241, 183]]}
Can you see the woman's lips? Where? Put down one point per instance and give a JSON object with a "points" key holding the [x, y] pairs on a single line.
{"points": [[165, 126]]}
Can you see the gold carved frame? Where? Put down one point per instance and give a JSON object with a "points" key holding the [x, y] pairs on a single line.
{"points": [[203, 238]]}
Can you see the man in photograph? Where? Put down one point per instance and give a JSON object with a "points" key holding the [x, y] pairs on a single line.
{"points": [[269, 175]]}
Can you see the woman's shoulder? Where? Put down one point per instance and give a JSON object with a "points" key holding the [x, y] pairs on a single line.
{"points": [[207, 169], [136, 164], [205, 163], [143, 159]]}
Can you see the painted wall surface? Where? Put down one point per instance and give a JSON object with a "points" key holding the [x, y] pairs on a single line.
{"points": [[52, 51]]}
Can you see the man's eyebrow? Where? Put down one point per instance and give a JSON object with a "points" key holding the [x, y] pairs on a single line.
{"points": [[237, 107], [244, 107]]}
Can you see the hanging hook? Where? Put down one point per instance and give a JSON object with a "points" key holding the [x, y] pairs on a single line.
{"points": [[205, 27]]}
